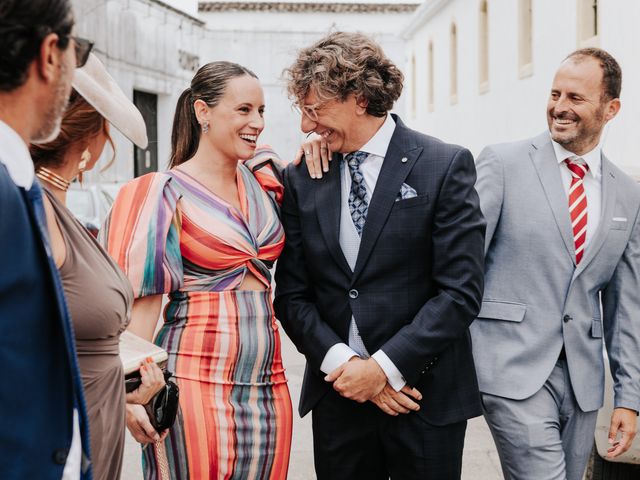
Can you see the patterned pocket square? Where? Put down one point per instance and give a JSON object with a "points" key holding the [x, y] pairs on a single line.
{"points": [[406, 192]]}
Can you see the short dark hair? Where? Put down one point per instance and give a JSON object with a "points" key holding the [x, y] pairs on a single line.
{"points": [[23, 27], [611, 71], [342, 64]]}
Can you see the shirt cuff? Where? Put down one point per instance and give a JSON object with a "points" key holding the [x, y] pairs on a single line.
{"points": [[336, 356], [73, 466], [394, 377]]}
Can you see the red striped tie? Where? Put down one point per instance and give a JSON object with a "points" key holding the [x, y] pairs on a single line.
{"points": [[578, 204]]}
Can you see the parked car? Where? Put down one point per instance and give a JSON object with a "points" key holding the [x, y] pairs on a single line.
{"points": [[601, 467], [90, 203], [627, 465]]}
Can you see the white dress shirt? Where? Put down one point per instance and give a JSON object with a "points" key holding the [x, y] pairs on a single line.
{"points": [[376, 147], [592, 183], [14, 154]]}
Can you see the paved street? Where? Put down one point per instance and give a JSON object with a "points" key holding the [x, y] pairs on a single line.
{"points": [[480, 457]]}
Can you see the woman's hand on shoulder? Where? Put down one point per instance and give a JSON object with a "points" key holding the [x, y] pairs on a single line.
{"points": [[140, 427], [317, 155], [152, 382]]}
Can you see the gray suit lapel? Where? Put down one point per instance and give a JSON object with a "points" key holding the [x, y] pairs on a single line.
{"points": [[328, 198], [546, 165], [398, 162], [608, 202]]}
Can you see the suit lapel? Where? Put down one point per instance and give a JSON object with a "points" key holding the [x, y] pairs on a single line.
{"points": [[546, 165], [35, 206], [608, 202], [398, 162], [34, 198], [328, 198]]}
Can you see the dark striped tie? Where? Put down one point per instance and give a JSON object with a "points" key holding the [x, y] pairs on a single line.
{"points": [[358, 202]]}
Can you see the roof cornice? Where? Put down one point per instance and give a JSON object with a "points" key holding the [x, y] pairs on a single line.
{"points": [[422, 15], [307, 7], [195, 20]]}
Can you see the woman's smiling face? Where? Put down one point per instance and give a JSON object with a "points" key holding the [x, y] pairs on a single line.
{"points": [[236, 122]]}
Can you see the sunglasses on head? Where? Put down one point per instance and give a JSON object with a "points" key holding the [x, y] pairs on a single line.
{"points": [[83, 49]]}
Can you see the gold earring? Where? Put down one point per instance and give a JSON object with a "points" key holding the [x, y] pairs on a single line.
{"points": [[205, 126], [85, 158]]}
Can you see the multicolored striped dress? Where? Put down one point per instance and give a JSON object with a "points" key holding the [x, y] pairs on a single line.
{"points": [[170, 234]]}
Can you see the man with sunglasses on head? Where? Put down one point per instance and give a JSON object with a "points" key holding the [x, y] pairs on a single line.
{"points": [[381, 274], [44, 431]]}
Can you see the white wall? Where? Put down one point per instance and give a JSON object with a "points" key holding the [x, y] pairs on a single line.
{"points": [[268, 54], [515, 107], [187, 6], [139, 42], [268, 42]]}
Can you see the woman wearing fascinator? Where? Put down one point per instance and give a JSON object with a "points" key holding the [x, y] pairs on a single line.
{"points": [[98, 294]]}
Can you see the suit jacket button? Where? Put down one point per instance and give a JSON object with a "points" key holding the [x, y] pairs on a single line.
{"points": [[353, 293], [567, 318], [60, 456], [404, 160]]}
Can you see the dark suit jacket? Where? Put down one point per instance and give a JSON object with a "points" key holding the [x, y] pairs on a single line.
{"points": [[40, 382], [418, 278]]}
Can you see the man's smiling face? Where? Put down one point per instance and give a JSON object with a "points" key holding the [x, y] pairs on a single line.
{"points": [[577, 109], [334, 120]]}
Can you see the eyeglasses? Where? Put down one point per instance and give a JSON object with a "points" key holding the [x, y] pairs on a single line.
{"points": [[83, 49], [311, 111]]}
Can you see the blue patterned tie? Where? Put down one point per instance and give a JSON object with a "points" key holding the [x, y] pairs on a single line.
{"points": [[358, 202]]}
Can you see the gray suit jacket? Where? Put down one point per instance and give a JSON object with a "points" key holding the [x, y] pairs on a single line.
{"points": [[536, 299]]}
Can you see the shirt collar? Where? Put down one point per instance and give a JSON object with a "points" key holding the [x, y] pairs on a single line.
{"points": [[593, 158], [14, 153], [379, 143]]}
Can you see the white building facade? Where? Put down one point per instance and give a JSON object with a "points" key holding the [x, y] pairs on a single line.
{"points": [[153, 48], [265, 37], [480, 71]]}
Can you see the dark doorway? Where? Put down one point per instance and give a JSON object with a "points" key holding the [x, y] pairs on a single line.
{"points": [[147, 160]]}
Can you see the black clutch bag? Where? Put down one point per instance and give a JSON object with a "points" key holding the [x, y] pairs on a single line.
{"points": [[163, 407]]}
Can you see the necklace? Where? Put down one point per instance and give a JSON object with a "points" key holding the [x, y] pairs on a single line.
{"points": [[53, 178]]}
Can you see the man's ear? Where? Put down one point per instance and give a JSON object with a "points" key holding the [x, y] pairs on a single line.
{"points": [[362, 104], [49, 61], [612, 109]]}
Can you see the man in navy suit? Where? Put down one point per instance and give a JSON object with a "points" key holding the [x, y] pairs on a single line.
{"points": [[381, 274], [44, 431]]}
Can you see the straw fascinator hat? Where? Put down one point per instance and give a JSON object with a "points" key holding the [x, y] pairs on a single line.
{"points": [[101, 91]]}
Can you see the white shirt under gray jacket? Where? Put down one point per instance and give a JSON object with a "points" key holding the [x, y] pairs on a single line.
{"points": [[537, 342]]}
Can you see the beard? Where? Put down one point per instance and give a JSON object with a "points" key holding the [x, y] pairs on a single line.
{"points": [[52, 119], [587, 132]]}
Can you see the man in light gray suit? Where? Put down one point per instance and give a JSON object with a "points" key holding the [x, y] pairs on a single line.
{"points": [[562, 273]]}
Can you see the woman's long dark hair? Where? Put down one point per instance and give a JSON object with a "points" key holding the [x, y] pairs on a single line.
{"points": [[208, 85]]}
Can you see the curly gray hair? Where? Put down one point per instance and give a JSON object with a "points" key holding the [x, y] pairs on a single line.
{"points": [[342, 64]]}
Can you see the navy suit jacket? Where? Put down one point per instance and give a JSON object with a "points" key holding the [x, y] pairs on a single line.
{"points": [[40, 383], [418, 278]]}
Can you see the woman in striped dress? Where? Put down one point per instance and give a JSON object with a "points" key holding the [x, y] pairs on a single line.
{"points": [[206, 232]]}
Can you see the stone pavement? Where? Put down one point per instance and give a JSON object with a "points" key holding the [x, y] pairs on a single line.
{"points": [[480, 458]]}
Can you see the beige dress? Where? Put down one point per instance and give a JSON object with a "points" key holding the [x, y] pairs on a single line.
{"points": [[99, 298]]}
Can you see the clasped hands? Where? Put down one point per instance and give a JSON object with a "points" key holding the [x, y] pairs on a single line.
{"points": [[363, 380]]}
